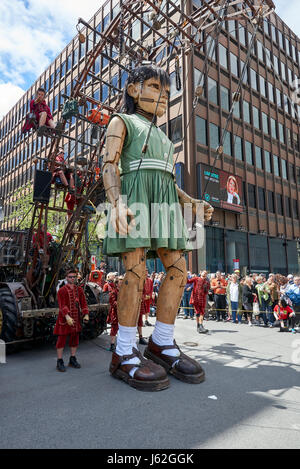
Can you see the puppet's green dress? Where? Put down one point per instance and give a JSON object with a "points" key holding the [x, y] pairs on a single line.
{"points": [[149, 191]]}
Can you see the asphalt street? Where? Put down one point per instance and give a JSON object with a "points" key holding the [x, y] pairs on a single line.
{"points": [[250, 399]]}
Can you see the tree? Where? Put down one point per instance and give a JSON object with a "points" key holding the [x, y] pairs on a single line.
{"points": [[21, 216]]}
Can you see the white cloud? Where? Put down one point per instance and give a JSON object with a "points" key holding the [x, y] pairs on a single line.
{"points": [[9, 95], [32, 34], [289, 12]]}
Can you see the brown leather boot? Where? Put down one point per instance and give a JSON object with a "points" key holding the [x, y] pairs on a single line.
{"points": [[186, 369], [148, 376]]}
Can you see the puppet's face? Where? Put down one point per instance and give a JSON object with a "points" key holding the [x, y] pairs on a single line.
{"points": [[152, 97]]}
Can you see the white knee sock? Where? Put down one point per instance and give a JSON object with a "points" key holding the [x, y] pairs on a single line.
{"points": [[163, 334], [126, 340]]}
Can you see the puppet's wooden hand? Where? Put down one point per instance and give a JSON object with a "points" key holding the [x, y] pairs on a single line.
{"points": [[119, 219]]}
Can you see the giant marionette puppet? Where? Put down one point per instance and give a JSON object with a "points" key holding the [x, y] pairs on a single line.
{"points": [[146, 161]]}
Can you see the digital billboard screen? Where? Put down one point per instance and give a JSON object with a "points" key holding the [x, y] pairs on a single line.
{"points": [[221, 189]]}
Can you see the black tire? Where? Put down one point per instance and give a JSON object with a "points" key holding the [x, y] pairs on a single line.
{"points": [[97, 322], [9, 310], [95, 326]]}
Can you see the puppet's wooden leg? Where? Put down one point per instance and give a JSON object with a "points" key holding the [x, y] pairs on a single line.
{"points": [[130, 295], [171, 291]]}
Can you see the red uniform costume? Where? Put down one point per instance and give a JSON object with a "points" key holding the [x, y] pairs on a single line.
{"points": [[283, 313], [41, 239], [71, 301], [37, 109], [146, 303], [112, 318], [96, 278], [59, 167], [199, 294], [71, 199]]}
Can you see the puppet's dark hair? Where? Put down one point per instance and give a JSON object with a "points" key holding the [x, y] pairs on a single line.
{"points": [[139, 75]]}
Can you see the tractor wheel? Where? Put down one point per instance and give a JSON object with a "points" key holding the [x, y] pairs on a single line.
{"points": [[8, 317]]}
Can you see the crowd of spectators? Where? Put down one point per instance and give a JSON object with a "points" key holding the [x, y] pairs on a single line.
{"points": [[256, 299]]}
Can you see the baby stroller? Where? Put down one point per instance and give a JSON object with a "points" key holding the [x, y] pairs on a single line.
{"points": [[211, 307]]}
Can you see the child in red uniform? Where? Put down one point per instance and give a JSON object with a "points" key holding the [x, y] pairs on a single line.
{"points": [[112, 287], [198, 298], [72, 305], [42, 112], [283, 312]]}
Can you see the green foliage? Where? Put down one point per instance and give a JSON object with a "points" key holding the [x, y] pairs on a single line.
{"points": [[23, 211]]}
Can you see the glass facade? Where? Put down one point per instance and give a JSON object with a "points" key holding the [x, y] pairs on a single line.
{"points": [[252, 250]]}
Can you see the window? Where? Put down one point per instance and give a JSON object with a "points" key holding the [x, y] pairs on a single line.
{"points": [[273, 128], [288, 207], [271, 202], [201, 130], [281, 133], [265, 123], [283, 71], [105, 21], [212, 91], [232, 28], [244, 72], [284, 173], [263, 90], [258, 247], [261, 199], [260, 52], [295, 209], [246, 111], [256, 122], [242, 35], [228, 143], [223, 59], [279, 204], [271, 92], [238, 148], [277, 256], [276, 165], [175, 129], [253, 76], [224, 98], [249, 152], [237, 109], [258, 157], [278, 98], [280, 39], [276, 64], [214, 136], [234, 64], [173, 87], [251, 196], [268, 165], [292, 175], [75, 56]]}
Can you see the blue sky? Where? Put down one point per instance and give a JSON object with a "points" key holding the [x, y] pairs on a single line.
{"points": [[34, 32]]}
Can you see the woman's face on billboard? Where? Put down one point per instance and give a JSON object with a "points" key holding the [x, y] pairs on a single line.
{"points": [[231, 186]]}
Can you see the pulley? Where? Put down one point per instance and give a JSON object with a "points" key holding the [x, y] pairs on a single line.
{"points": [[81, 161], [81, 38], [199, 91], [236, 96], [220, 150]]}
